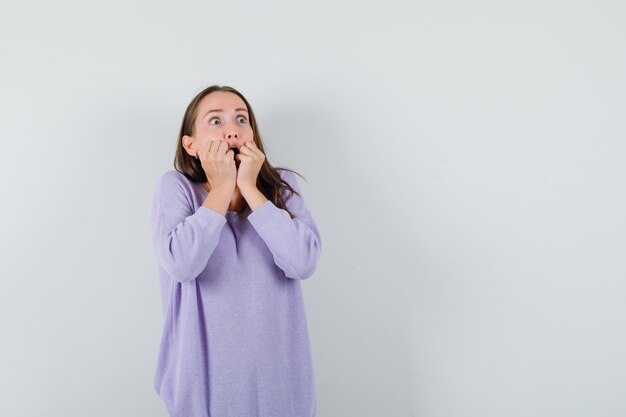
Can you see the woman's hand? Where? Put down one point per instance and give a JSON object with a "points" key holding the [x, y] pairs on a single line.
{"points": [[219, 164], [251, 160]]}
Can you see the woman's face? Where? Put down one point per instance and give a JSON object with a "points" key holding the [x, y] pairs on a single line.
{"points": [[221, 116]]}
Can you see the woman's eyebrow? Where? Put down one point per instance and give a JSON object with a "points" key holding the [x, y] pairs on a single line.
{"points": [[219, 110]]}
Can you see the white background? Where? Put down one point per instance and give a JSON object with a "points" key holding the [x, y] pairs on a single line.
{"points": [[465, 165]]}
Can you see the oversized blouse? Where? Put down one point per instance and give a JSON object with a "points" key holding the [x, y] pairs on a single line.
{"points": [[234, 341]]}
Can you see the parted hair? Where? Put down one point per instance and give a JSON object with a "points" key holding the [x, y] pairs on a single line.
{"points": [[269, 182]]}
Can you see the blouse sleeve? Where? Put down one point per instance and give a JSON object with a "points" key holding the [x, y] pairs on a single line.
{"points": [[183, 240], [295, 243]]}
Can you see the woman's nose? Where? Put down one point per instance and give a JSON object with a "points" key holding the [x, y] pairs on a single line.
{"points": [[231, 133], [233, 139]]}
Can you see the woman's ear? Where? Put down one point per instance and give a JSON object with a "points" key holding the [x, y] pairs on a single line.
{"points": [[187, 142]]}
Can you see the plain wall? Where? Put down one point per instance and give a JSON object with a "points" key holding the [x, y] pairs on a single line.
{"points": [[465, 164]]}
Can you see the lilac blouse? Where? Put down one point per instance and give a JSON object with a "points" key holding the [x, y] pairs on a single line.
{"points": [[235, 341]]}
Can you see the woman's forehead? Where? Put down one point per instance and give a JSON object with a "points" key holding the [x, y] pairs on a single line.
{"points": [[222, 100]]}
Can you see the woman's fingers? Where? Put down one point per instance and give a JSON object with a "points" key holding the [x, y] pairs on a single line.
{"points": [[251, 150], [219, 150], [247, 149], [215, 147]]}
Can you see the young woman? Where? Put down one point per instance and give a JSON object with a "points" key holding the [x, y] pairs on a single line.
{"points": [[233, 239]]}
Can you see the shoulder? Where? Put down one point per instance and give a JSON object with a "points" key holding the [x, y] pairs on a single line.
{"points": [[174, 193], [174, 181], [173, 177], [290, 178], [287, 175]]}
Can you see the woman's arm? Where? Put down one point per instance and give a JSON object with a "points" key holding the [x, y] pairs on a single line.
{"points": [[295, 243], [183, 240]]}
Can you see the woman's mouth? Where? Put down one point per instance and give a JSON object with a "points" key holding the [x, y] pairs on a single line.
{"points": [[236, 150]]}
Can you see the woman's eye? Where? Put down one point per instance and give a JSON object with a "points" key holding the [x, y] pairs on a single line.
{"points": [[215, 118], [243, 118]]}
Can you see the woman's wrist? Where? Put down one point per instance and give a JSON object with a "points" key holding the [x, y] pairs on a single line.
{"points": [[253, 196], [218, 199]]}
